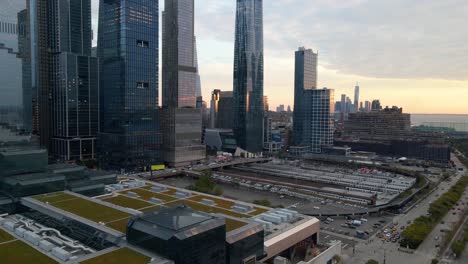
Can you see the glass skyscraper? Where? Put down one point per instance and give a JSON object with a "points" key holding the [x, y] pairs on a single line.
{"points": [[313, 118], [10, 63], [128, 50], [67, 77], [248, 75], [182, 120]]}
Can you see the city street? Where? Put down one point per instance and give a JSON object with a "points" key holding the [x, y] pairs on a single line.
{"points": [[380, 250]]}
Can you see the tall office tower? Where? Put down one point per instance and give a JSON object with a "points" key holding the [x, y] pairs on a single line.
{"points": [[289, 109], [248, 75], [376, 106], [68, 79], [128, 48], [214, 107], [361, 106], [182, 120], [10, 63], [313, 108], [367, 106], [266, 121], [198, 87], [24, 53], [356, 98], [343, 103], [225, 115]]}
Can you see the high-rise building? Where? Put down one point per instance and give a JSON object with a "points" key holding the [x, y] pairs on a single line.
{"points": [[314, 109], [214, 107], [248, 75], [225, 115], [356, 98], [376, 106], [343, 103], [367, 106], [289, 109], [182, 119], [280, 108], [128, 50], [68, 79], [11, 99], [25, 54]]}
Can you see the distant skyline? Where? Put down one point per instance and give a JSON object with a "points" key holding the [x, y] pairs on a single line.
{"points": [[402, 52]]}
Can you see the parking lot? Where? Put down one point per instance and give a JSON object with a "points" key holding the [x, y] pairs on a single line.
{"points": [[345, 225]]}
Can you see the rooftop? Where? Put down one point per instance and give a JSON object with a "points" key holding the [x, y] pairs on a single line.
{"points": [[176, 218], [121, 255]]}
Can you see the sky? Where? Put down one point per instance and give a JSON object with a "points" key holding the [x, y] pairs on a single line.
{"points": [[413, 54]]}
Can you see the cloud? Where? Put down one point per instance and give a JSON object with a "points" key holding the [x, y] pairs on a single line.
{"points": [[383, 39]]}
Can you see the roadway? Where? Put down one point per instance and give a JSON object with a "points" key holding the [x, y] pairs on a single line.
{"points": [[378, 250]]}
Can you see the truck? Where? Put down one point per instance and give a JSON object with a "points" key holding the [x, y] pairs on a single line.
{"points": [[356, 223]]}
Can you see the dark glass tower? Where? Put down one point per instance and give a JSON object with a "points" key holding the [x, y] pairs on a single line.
{"points": [[128, 50], [68, 78], [248, 75], [181, 118]]}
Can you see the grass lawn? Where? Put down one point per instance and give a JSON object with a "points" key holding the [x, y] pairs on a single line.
{"points": [[232, 224], [54, 197], [219, 202], [147, 195], [92, 211], [258, 211], [18, 252], [119, 256], [205, 208], [119, 225], [128, 202], [4, 236]]}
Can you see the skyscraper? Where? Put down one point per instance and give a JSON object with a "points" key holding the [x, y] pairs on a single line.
{"points": [[248, 75], [313, 119], [25, 54], [214, 107], [128, 48], [10, 61], [356, 98], [68, 79], [182, 120]]}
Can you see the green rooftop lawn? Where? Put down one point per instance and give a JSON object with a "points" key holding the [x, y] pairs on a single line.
{"points": [[119, 256], [147, 195], [232, 224], [205, 208], [54, 197], [219, 202], [119, 225], [125, 201], [92, 211], [170, 191], [4, 236], [18, 252], [258, 211]]}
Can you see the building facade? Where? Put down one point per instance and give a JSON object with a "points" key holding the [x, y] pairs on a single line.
{"points": [[67, 77], [128, 49], [11, 62], [225, 115], [390, 123], [248, 75], [356, 98], [313, 108], [182, 102]]}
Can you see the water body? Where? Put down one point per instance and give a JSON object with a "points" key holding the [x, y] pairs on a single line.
{"points": [[418, 119]]}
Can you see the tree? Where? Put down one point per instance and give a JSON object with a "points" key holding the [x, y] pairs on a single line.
{"points": [[372, 261]]}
